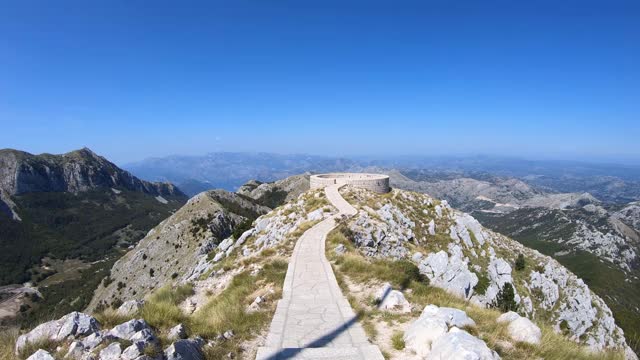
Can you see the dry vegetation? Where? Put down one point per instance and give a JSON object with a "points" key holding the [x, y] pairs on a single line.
{"points": [[353, 268]]}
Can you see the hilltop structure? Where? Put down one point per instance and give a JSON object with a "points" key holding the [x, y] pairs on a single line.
{"points": [[374, 182]]}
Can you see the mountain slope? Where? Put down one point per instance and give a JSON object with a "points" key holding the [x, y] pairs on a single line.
{"points": [[64, 219]]}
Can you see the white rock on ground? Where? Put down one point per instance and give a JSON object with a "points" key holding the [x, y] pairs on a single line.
{"points": [[177, 332], [453, 317], [72, 324], [128, 329], [520, 328], [422, 333], [185, 350], [111, 352], [460, 345], [130, 307], [41, 355], [392, 300]]}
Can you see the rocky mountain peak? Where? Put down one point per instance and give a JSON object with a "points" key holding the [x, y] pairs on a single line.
{"points": [[75, 171]]}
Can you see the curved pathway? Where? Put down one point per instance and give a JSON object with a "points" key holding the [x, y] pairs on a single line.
{"points": [[314, 320]]}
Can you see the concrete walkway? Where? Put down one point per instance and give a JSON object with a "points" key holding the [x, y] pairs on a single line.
{"points": [[314, 320]]}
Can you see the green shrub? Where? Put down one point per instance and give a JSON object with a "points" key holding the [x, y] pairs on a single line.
{"points": [[482, 285], [505, 300], [520, 263], [397, 341]]}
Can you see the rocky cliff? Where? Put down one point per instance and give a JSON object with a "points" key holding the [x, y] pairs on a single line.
{"points": [[76, 171], [459, 255]]}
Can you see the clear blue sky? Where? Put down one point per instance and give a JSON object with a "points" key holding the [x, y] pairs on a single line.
{"points": [[132, 79]]}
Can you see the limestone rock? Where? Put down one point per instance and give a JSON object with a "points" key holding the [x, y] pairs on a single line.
{"points": [[76, 350], [177, 332], [340, 249], [41, 355], [185, 350], [453, 317], [130, 307], [72, 324], [393, 300], [520, 328], [111, 352], [422, 333], [450, 273], [127, 330], [460, 345]]}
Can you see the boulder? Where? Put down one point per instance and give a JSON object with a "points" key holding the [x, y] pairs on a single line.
{"points": [[508, 317], [111, 352], [76, 351], [93, 340], [416, 257], [41, 355], [422, 333], [460, 345], [449, 273], [340, 249], [315, 215], [128, 329], [520, 328], [131, 307], [190, 349], [453, 317], [72, 324], [225, 244], [177, 332], [393, 300]]}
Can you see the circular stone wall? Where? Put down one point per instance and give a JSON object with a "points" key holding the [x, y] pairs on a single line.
{"points": [[374, 182]]}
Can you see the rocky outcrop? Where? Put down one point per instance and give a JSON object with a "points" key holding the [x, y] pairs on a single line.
{"points": [[436, 334], [78, 338], [474, 263], [76, 171], [178, 248], [74, 324], [273, 194]]}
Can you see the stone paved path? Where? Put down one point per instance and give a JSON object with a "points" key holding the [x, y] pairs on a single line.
{"points": [[314, 320]]}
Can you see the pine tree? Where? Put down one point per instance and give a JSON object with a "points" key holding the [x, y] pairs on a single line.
{"points": [[505, 300], [520, 262]]}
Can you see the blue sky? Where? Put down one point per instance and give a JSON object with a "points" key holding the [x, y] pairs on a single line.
{"points": [[132, 79]]}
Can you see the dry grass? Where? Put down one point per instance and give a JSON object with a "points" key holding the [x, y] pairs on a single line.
{"points": [[8, 339], [357, 269], [161, 309]]}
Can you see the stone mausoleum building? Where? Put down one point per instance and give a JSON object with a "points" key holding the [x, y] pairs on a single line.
{"points": [[374, 182]]}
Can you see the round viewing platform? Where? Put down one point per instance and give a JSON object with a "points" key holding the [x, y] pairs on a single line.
{"points": [[374, 182]]}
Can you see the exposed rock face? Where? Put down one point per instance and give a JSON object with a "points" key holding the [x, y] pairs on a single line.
{"points": [[460, 345], [275, 193], [462, 251], [383, 232], [41, 355], [76, 171], [73, 324], [435, 335], [177, 249], [185, 350]]}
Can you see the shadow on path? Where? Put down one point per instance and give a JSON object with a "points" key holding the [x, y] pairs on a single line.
{"points": [[290, 353]]}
